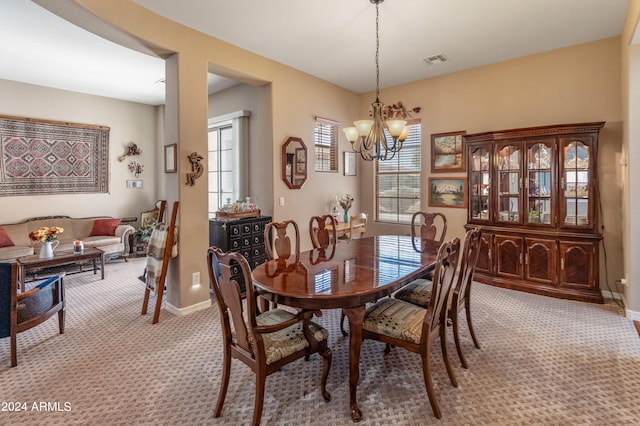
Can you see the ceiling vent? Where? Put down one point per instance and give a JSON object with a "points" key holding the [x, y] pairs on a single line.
{"points": [[435, 59]]}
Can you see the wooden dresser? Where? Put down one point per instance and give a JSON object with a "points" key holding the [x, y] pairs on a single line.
{"points": [[534, 193]]}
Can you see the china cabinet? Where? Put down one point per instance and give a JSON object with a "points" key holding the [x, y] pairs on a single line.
{"points": [[534, 192]]}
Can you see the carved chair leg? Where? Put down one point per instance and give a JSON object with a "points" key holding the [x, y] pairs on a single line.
{"points": [[326, 366], [342, 330], [445, 356], [470, 324], [454, 315], [261, 378], [226, 371], [428, 382]]}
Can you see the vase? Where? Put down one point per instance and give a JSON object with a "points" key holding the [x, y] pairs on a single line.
{"points": [[47, 248], [346, 216]]}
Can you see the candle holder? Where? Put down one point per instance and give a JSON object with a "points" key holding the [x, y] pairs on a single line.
{"points": [[78, 246]]}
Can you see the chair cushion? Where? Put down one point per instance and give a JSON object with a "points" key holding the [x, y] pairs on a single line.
{"points": [[104, 227], [418, 292], [395, 318], [288, 341], [5, 240]]}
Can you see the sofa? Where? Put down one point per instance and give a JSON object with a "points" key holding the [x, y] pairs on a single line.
{"points": [[105, 233]]}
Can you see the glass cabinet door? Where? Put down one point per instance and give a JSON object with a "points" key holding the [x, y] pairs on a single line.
{"points": [[509, 183], [575, 182], [479, 164], [538, 184]]}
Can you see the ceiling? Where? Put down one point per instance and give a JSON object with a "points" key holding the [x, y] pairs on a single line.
{"points": [[331, 39]]}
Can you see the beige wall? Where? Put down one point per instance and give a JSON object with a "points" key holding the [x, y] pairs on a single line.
{"points": [[561, 86], [295, 99], [129, 122], [631, 149]]}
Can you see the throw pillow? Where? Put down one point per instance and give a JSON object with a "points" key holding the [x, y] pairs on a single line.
{"points": [[104, 227], [5, 241]]}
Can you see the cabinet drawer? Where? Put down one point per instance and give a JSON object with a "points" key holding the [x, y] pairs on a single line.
{"points": [[246, 228], [235, 244], [257, 239], [235, 230]]}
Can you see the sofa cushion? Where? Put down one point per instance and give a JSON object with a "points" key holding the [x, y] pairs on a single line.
{"points": [[102, 227], [5, 240]]}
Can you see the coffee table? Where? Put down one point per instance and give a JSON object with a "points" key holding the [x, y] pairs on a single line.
{"points": [[63, 257]]}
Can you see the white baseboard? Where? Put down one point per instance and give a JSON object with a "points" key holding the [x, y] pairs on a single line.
{"points": [[632, 315], [188, 309]]}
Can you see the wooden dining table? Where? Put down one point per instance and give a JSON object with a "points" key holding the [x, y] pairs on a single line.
{"points": [[346, 275]]}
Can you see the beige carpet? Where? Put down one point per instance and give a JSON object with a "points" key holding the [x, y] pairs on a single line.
{"points": [[543, 361]]}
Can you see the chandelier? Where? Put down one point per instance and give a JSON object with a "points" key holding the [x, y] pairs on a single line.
{"points": [[367, 137]]}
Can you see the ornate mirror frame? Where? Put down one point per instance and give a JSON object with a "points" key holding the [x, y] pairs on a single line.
{"points": [[294, 163]]}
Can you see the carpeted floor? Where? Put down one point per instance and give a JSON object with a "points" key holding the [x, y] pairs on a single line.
{"points": [[543, 361]]}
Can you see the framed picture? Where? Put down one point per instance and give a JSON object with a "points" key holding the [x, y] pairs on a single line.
{"points": [[301, 164], [349, 163], [134, 184], [447, 152], [448, 192], [170, 158]]}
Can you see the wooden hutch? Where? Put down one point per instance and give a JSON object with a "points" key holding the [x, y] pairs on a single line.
{"points": [[534, 192]]}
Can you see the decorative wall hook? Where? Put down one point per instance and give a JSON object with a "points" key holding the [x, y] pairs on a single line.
{"points": [[135, 168], [132, 149], [196, 168]]}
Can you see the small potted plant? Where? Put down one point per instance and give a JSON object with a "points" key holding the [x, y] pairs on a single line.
{"points": [[143, 235]]}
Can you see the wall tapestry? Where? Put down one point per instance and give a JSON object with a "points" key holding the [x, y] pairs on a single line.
{"points": [[52, 157]]}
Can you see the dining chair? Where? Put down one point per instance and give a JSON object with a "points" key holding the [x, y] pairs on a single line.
{"points": [[22, 311], [322, 238], [278, 243], [402, 324], [357, 225], [322, 230], [461, 299], [264, 342], [431, 229], [419, 291]]}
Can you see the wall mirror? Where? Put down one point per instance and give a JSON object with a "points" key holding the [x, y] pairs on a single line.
{"points": [[294, 163]]}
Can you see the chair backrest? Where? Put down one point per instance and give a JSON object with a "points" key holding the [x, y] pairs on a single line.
{"points": [[443, 277], [468, 260], [357, 225], [322, 230], [229, 297], [279, 245], [431, 228]]}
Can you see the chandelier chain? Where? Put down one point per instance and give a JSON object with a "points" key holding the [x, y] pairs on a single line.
{"points": [[377, 52]]}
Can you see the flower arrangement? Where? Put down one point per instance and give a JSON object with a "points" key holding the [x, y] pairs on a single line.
{"points": [[346, 202], [398, 111], [46, 235]]}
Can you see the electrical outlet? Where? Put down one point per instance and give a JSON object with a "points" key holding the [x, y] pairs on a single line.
{"points": [[281, 201], [195, 278]]}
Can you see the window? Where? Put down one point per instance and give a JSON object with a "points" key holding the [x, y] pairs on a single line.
{"points": [[398, 180], [325, 139], [220, 168], [227, 159]]}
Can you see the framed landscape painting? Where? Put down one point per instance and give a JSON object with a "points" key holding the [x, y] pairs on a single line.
{"points": [[448, 152], [448, 192]]}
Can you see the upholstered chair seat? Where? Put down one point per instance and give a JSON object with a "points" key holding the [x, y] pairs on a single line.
{"points": [[280, 344], [396, 319], [418, 292]]}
